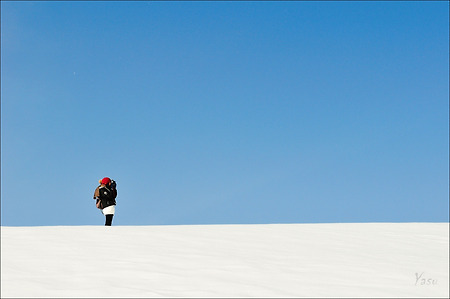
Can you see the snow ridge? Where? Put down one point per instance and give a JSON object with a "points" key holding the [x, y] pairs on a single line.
{"points": [[265, 260]]}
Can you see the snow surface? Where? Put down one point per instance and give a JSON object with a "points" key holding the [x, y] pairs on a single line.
{"points": [[266, 260]]}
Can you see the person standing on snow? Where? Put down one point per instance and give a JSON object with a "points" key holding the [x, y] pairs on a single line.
{"points": [[105, 195]]}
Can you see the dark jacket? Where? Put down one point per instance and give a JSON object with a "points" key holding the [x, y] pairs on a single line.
{"points": [[106, 195]]}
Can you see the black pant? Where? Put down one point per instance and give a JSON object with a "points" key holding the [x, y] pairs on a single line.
{"points": [[109, 218]]}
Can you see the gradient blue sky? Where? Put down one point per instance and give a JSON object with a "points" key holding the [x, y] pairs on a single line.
{"points": [[225, 112]]}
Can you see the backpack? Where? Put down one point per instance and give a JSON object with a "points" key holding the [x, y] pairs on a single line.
{"points": [[106, 197]]}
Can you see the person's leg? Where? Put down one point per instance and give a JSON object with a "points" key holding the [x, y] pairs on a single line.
{"points": [[109, 218]]}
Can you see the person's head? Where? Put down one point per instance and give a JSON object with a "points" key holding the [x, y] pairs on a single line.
{"points": [[105, 181]]}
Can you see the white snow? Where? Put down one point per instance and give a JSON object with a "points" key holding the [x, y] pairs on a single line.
{"points": [[265, 260]]}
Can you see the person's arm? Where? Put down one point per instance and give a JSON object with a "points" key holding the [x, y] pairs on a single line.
{"points": [[96, 193], [113, 188]]}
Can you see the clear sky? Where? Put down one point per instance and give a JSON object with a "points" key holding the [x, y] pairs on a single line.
{"points": [[225, 112]]}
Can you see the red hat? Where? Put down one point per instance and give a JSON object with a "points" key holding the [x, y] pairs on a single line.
{"points": [[106, 181]]}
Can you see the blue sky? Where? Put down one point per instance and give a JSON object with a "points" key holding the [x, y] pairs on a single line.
{"points": [[225, 112]]}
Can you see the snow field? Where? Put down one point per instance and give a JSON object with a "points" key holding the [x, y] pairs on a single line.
{"points": [[266, 260]]}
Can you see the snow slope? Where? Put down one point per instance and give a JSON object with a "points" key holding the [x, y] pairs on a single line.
{"points": [[273, 260]]}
